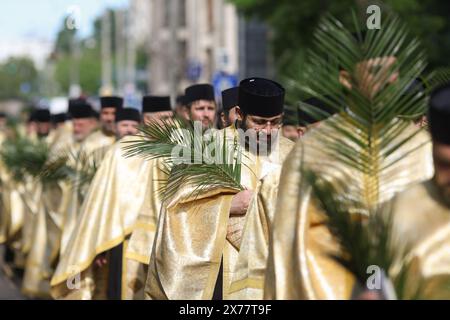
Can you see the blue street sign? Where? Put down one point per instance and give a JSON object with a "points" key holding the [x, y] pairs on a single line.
{"points": [[194, 70], [222, 81]]}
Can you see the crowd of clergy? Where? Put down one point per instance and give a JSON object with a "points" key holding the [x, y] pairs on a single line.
{"points": [[118, 237]]}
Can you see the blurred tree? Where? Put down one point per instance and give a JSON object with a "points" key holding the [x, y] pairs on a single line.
{"points": [[97, 34], [142, 58], [18, 78], [293, 22], [89, 68], [142, 63], [64, 38], [89, 63]]}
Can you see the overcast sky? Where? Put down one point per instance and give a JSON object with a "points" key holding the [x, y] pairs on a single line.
{"points": [[29, 27], [41, 19]]}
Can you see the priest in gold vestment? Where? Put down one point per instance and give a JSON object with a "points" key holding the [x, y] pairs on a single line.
{"points": [[99, 244], [138, 249], [35, 282], [52, 211], [31, 189], [20, 193], [248, 278], [422, 212], [102, 211], [368, 143], [12, 207], [94, 146], [197, 236]]}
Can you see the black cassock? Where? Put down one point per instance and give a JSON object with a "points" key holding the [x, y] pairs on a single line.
{"points": [[115, 273]]}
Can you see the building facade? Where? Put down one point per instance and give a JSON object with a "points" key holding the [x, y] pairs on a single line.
{"points": [[191, 41], [187, 40]]}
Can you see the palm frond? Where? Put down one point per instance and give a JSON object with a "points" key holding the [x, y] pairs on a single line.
{"points": [[436, 78], [366, 135], [24, 157], [56, 169], [36, 158], [74, 166], [210, 174], [158, 139], [363, 234], [365, 238], [379, 67], [204, 160], [86, 166]]}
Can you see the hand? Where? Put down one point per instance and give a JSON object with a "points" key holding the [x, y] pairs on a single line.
{"points": [[368, 295], [375, 73], [101, 260], [240, 202]]}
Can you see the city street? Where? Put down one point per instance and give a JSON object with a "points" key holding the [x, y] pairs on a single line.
{"points": [[9, 289], [238, 154]]}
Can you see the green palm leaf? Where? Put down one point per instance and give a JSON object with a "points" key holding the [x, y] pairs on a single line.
{"points": [[56, 168], [372, 112], [365, 135], [436, 78], [74, 166], [221, 167], [86, 166], [24, 157], [363, 234], [158, 139], [209, 174]]}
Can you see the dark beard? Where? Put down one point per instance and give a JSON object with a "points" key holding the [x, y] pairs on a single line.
{"points": [[243, 126]]}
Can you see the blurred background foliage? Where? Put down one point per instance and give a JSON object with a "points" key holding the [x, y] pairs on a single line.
{"points": [[292, 24]]}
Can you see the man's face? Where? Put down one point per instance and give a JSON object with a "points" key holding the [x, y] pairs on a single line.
{"points": [[262, 130], [371, 75], [268, 126], [2, 122], [182, 112], [159, 117], [31, 127], [232, 117], [126, 128], [290, 132], [441, 156], [204, 111], [83, 127], [301, 130], [43, 128], [107, 119], [59, 125], [422, 122]]}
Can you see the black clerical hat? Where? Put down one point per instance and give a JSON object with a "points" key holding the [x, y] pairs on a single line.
{"points": [[261, 97], [305, 118], [156, 104], [59, 117], [199, 92], [439, 114], [111, 102], [230, 98], [42, 115], [80, 108], [128, 114]]}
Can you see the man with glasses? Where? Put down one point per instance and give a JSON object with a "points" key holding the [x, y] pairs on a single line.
{"points": [[196, 241]]}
